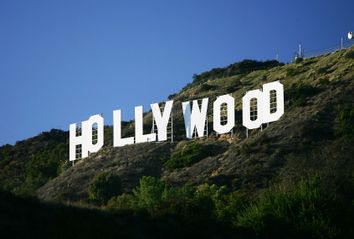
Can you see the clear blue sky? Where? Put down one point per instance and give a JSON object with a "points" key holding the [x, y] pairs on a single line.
{"points": [[62, 61]]}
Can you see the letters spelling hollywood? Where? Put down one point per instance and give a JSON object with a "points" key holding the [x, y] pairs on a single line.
{"points": [[194, 119]]}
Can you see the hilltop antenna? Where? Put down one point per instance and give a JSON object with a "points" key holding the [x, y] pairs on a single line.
{"points": [[300, 52]]}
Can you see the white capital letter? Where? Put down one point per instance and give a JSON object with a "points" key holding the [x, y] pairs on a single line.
{"points": [[246, 111], [118, 141], [196, 119], [279, 101], [139, 133], [74, 140], [86, 137], [230, 104], [161, 119], [87, 133]]}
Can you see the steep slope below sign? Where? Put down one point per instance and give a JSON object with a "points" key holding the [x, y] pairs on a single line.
{"points": [[309, 138]]}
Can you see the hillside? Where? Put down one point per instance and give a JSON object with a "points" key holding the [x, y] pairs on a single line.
{"points": [[314, 138], [301, 143]]}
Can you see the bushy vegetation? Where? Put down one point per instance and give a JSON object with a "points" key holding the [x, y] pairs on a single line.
{"points": [[242, 67], [157, 210], [206, 87], [43, 166], [350, 54], [104, 186], [292, 71], [31, 163], [299, 94], [298, 60], [189, 154], [345, 121], [309, 210], [29, 218]]}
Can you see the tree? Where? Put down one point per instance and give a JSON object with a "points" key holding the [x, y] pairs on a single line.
{"points": [[150, 192], [104, 186]]}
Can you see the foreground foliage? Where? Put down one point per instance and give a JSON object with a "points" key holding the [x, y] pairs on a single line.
{"points": [[307, 210], [157, 210]]}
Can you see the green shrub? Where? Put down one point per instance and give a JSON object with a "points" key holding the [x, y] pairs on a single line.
{"points": [[158, 198], [242, 67], [122, 202], [232, 88], [30, 163], [325, 69], [299, 102], [299, 60], [206, 87], [350, 54], [103, 187], [149, 193], [306, 210], [324, 82], [208, 196], [171, 96], [299, 94], [230, 205], [291, 71], [188, 155], [345, 121], [212, 192]]}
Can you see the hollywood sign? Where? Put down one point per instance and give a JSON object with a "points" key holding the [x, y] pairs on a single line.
{"points": [[253, 116]]}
